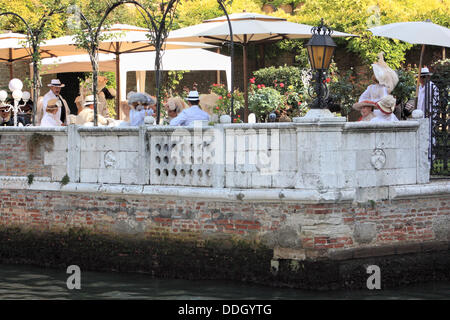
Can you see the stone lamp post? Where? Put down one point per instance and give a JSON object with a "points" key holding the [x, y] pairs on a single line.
{"points": [[15, 85]]}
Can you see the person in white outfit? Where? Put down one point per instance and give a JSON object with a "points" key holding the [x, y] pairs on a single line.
{"points": [[140, 107], [50, 118], [387, 80], [433, 91], [63, 111], [191, 114], [385, 109]]}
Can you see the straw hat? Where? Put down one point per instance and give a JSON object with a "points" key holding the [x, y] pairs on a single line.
{"points": [[53, 104], [56, 83], [425, 72], [386, 104], [366, 103], [89, 100], [384, 74], [193, 96], [175, 103]]}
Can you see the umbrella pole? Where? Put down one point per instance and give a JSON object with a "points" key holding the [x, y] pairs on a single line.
{"points": [[10, 64], [245, 78], [418, 77], [118, 98], [218, 71]]}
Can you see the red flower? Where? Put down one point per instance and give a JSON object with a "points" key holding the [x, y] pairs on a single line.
{"points": [[263, 86], [239, 116], [217, 108], [220, 97], [299, 103], [229, 95], [252, 80], [259, 86], [276, 84], [281, 85], [328, 80]]}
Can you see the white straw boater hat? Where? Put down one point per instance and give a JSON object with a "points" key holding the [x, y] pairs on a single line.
{"points": [[385, 75], [89, 100], [386, 104], [56, 83], [425, 72], [193, 96]]}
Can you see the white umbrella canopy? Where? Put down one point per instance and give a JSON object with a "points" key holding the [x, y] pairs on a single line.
{"points": [[179, 59], [255, 27], [119, 39], [247, 28], [419, 32]]}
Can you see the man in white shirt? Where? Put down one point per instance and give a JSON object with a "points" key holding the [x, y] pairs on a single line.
{"points": [[433, 92], [54, 93], [191, 114]]}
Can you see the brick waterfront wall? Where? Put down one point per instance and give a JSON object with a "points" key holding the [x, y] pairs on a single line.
{"points": [[16, 159], [294, 230]]}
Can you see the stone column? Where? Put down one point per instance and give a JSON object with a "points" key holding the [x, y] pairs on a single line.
{"points": [[319, 141], [73, 153]]}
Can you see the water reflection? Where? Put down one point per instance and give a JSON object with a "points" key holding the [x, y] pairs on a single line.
{"points": [[27, 282]]}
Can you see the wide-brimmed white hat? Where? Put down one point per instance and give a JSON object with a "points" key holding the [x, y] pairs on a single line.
{"points": [[384, 74], [56, 83], [425, 72], [89, 100], [193, 96], [386, 104]]}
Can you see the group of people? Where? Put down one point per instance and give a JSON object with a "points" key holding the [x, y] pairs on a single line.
{"points": [[376, 103], [53, 109]]}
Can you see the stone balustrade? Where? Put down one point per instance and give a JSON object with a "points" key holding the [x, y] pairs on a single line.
{"points": [[312, 153]]}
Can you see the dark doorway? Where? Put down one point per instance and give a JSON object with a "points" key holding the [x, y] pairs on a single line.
{"points": [[72, 88]]}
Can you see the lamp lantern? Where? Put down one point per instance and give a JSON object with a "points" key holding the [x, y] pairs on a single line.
{"points": [[320, 51]]}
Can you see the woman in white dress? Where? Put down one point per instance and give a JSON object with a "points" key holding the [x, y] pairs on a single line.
{"points": [[50, 118]]}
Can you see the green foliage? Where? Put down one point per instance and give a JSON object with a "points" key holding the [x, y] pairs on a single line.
{"points": [[342, 90], [297, 47], [357, 16], [172, 81], [30, 178], [65, 180], [264, 100], [283, 79], [224, 102], [441, 74], [406, 85]]}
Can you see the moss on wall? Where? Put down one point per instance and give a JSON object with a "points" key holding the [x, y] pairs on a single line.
{"points": [[160, 256]]}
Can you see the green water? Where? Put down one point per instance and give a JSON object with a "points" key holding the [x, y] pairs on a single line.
{"points": [[28, 282]]}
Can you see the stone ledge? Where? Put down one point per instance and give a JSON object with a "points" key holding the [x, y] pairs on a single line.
{"points": [[225, 194], [387, 250], [433, 188]]}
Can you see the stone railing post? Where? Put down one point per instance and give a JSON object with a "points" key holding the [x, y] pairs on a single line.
{"points": [[73, 153], [423, 143], [319, 141], [144, 156]]}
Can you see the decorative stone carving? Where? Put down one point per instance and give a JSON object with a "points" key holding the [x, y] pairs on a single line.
{"points": [[110, 159], [378, 159]]}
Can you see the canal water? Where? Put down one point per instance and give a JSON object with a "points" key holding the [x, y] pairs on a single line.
{"points": [[28, 282]]}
